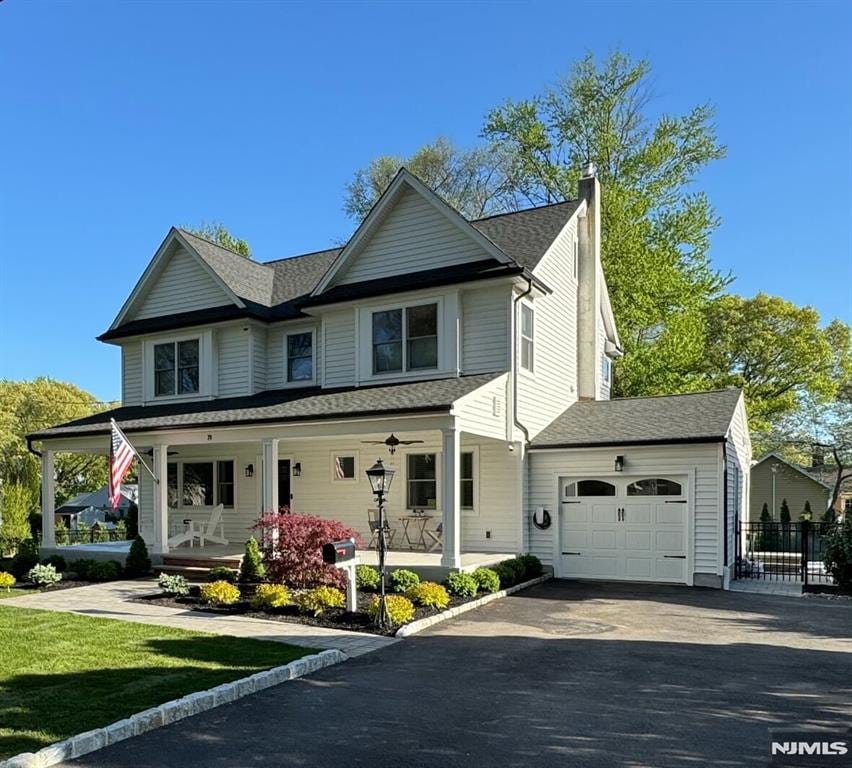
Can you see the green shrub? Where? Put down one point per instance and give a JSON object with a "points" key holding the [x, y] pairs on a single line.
{"points": [[121, 531], [318, 600], [7, 581], [222, 573], [784, 514], [506, 573], [175, 585], [532, 567], [402, 580], [271, 596], [462, 585], [219, 593], [399, 609], [61, 532], [367, 577], [838, 553], [429, 595], [18, 502], [138, 562], [57, 561], [108, 570], [487, 579], [251, 568], [765, 514], [25, 559], [82, 568], [44, 575]]}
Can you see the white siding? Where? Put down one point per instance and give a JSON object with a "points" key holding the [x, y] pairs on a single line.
{"points": [[738, 454], [604, 390], [413, 237], [698, 461], [233, 360], [182, 285], [484, 411], [131, 373], [546, 393], [338, 348], [485, 329]]}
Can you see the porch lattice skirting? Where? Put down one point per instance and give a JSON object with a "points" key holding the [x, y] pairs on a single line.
{"points": [[172, 711]]}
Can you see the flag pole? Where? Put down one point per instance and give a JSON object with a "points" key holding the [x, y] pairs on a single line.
{"points": [[135, 452]]}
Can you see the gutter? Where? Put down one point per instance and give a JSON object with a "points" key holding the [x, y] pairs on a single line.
{"points": [[30, 448], [619, 443]]}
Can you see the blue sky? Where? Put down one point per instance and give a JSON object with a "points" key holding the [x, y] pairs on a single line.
{"points": [[121, 119]]}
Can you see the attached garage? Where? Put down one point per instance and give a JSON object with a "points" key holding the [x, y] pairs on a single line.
{"points": [[641, 489]]}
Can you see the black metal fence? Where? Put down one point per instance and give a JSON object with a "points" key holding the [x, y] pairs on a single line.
{"points": [[783, 552]]}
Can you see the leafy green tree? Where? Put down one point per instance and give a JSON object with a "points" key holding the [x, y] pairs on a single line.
{"points": [[656, 226], [218, 233], [28, 406], [784, 515], [17, 504], [777, 352], [473, 181]]}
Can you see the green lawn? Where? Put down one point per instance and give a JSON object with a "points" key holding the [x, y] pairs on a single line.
{"points": [[15, 592], [62, 674]]}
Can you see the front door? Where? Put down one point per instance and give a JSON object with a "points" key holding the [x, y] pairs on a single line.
{"points": [[285, 497]]}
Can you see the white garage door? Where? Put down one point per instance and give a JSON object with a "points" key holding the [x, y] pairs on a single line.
{"points": [[633, 529]]}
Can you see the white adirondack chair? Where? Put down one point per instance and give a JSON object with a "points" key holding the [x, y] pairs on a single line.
{"points": [[213, 530]]}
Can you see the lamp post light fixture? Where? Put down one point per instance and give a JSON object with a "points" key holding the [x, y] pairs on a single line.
{"points": [[380, 478]]}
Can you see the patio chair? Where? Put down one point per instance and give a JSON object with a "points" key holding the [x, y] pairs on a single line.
{"points": [[208, 531], [181, 533], [437, 537], [373, 519]]}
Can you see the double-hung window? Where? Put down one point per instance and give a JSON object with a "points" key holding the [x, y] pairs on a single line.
{"points": [[405, 339], [300, 356], [527, 337], [201, 483], [422, 481], [466, 480], [176, 368]]}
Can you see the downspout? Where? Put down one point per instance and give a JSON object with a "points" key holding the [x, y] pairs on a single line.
{"points": [[30, 448], [725, 564], [515, 420]]}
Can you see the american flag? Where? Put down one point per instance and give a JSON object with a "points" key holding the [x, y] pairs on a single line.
{"points": [[120, 458], [338, 469]]}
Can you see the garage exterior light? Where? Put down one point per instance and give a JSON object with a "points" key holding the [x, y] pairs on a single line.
{"points": [[619, 463]]}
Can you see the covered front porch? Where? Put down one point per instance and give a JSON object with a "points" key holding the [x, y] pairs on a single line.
{"points": [[467, 487]]}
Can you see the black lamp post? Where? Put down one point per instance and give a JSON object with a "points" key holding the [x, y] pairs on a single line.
{"points": [[380, 478]]}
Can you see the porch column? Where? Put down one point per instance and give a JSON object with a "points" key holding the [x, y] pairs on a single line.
{"points": [[48, 500], [161, 499], [450, 498], [270, 475]]}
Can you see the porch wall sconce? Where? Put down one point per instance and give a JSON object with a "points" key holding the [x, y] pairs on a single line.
{"points": [[619, 463], [250, 470], [297, 469]]}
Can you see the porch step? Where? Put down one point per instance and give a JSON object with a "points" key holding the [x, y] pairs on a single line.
{"points": [[189, 572], [232, 561]]}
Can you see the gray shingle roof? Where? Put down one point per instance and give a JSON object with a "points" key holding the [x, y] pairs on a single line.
{"points": [[298, 275], [246, 278], [526, 235], [280, 406], [700, 416]]}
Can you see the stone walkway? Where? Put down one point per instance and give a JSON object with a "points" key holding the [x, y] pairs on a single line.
{"points": [[111, 601]]}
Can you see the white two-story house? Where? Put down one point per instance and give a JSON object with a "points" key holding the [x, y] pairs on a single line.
{"points": [[485, 347]]}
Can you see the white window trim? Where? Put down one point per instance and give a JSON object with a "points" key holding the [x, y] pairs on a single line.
{"points": [[301, 382], [439, 480], [527, 371], [446, 349], [204, 460], [205, 366], [334, 477]]}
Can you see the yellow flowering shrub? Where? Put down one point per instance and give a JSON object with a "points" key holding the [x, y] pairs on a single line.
{"points": [[219, 593], [429, 594], [318, 600], [400, 609], [270, 596]]}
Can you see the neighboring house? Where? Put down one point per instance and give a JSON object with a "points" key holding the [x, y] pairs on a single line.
{"points": [[827, 474], [91, 507], [488, 343], [774, 479]]}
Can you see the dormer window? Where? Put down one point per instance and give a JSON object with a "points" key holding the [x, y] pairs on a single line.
{"points": [[405, 339], [176, 368], [300, 356]]}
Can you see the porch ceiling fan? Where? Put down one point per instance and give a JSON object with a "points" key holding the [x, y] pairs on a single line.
{"points": [[391, 442]]}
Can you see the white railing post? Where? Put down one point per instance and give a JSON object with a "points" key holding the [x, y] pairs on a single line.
{"points": [[450, 498]]}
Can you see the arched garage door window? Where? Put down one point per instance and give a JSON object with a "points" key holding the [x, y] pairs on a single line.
{"points": [[654, 486], [590, 488]]}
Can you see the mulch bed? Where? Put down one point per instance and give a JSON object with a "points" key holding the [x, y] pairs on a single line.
{"points": [[25, 585], [334, 618]]}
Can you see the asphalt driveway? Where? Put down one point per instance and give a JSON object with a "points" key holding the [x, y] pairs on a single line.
{"points": [[565, 674]]}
